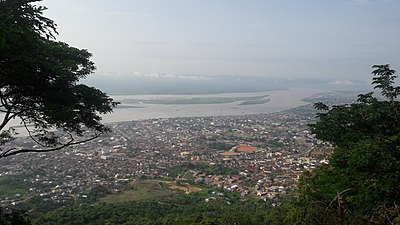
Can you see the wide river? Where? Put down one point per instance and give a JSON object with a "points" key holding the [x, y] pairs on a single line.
{"points": [[279, 100]]}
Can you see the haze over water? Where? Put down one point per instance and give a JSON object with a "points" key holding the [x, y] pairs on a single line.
{"points": [[279, 100]]}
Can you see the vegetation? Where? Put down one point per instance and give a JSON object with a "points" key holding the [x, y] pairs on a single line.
{"points": [[207, 169], [39, 82], [139, 191], [11, 186], [255, 102], [179, 209], [220, 146], [13, 217], [361, 183]]}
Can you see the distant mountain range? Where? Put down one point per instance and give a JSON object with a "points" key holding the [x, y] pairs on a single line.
{"points": [[193, 84]]}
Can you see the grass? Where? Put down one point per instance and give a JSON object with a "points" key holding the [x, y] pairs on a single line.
{"points": [[140, 191], [12, 185], [189, 176], [145, 190]]}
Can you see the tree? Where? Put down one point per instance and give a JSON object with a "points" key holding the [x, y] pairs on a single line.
{"points": [[11, 217], [361, 183], [39, 83]]}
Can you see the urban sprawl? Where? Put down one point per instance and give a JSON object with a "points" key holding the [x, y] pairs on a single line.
{"points": [[268, 151]]}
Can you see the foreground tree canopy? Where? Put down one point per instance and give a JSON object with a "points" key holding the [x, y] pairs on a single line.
{"points": [[361, 185], [39, 82]]}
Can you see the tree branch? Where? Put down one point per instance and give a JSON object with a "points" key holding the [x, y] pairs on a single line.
{"points": [[30, 134], [337, 197], [6, 119], [14, 151]]}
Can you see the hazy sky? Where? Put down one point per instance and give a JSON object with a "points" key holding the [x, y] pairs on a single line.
{"points": [[338, 39]]}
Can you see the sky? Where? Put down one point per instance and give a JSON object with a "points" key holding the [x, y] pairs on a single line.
{"points": [[327, 39]]}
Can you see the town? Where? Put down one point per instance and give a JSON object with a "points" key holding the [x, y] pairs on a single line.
{"points": [[267, 152]]}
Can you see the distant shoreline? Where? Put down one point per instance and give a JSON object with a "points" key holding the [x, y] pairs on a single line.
{"points": [[198, 100], [194, 92], [251, 103]]}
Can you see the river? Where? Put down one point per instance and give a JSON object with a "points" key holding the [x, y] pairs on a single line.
{"points": [[279, 100]]}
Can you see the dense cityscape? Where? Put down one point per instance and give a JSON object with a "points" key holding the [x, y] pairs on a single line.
{"points": [[266, 152]]}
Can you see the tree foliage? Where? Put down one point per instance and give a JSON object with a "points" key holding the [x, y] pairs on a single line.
{"points": [[361, 185], [177, 209], [13, 217], [39, 82]]}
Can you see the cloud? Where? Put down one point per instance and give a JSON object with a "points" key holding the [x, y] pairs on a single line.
{"points": [[342, 82], [154, 75], [173, 76], [217, 58]]}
